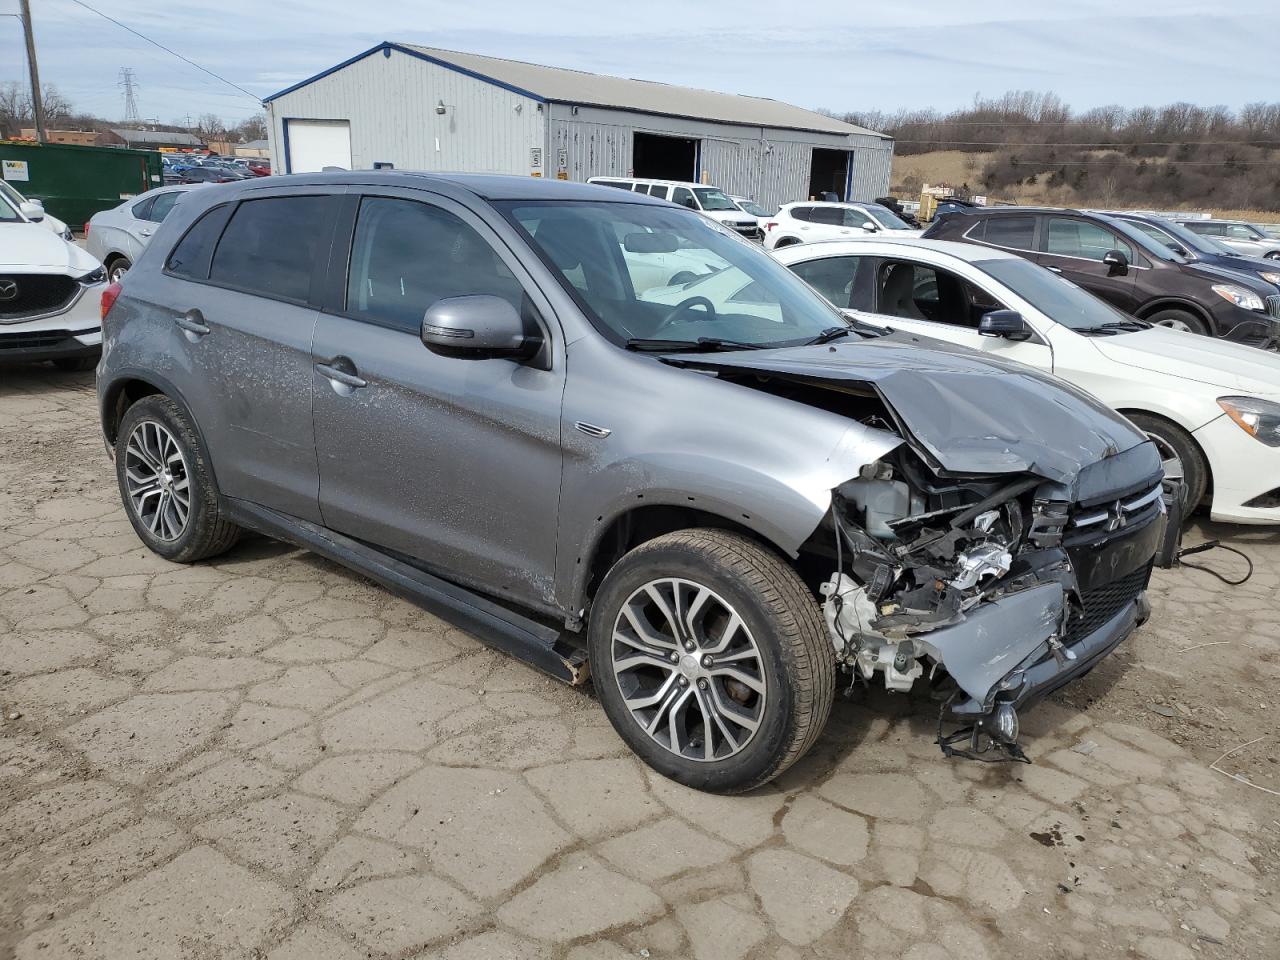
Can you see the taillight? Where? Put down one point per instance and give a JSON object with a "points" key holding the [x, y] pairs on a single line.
{"points": [[770, 225], [86, 229], [109, 298]]}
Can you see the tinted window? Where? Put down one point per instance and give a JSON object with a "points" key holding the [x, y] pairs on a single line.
{"points": [[831, 215], [162, 205], [1080, 238], [658, 190], [1207, 229], [190, 258], [801, 213], [833, 277], [684, 197], [407, 255], [1016, 233], [640, 188], [271, 246], [142, 211]]}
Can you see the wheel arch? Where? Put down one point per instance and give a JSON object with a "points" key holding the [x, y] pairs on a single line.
{"points": [[130, 387], [629, 528], [1186, 306], [1208, 464]]}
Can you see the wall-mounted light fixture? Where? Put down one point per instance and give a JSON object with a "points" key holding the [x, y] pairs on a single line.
{"points": [[441, 109]]}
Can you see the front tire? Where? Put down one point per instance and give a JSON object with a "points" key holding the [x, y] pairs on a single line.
{"points": [[1179, 320], [711, 659], [166, 484], [1175, 444]]}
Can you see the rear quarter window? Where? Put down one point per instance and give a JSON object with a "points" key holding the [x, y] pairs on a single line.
{"points": [[1015, 233], [191, 255]]}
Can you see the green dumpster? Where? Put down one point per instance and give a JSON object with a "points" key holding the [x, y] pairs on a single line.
{"points": [[75, 182]]}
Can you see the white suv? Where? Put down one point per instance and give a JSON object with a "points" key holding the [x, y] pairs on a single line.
{"points": [[710, 201], [809, 221], [50, 295]]}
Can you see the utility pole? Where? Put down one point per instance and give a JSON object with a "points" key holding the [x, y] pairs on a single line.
{"points": [[37, 101], [129, 83]]}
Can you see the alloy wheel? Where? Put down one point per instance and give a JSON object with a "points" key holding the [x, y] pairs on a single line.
{"points": [[117, 272], [1173, 323], [157, 480], [689, 670]]}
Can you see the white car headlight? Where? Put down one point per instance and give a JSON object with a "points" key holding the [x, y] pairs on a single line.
{"points": [[1240, 296], [1258, 418], [1271, 278]]}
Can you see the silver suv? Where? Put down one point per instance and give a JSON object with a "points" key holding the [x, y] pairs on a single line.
{"points": [[611, 436]]}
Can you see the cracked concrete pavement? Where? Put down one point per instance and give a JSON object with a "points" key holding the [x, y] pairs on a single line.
{"points": [[267, 756]]}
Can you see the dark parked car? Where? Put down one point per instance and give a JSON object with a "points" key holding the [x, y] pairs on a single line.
{"points": [[451, 384], [209, 174], [1202, 249], [1114, 260]]}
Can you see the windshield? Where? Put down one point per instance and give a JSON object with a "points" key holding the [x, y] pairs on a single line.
{"points": [[887, 217], [713, 199], [644, 272], [753, 208], [1056, 297]]}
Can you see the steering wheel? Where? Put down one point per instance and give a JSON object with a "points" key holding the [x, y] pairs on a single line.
{"points": [[677, 313]]}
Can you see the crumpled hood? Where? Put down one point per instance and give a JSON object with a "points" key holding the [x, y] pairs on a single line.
{"points": [[972, 413], [1220, 363], [33, 248]]}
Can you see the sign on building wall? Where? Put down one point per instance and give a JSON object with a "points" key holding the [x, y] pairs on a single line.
{"points": [[16, 170]]}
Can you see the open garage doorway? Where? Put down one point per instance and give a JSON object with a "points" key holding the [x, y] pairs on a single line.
{"points": [[829, 173], [664, 158]]}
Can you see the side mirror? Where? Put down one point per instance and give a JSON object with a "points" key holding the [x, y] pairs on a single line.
{"points": [[33, 210], [477, 327], [1179, 250], [1117, 263], [1004, 323], [870, 227]]}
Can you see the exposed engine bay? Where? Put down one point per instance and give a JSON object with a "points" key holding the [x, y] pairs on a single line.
{"points": [[965, 579]]}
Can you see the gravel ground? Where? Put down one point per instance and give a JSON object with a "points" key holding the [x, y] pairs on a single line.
{"points": [[267, 756]]}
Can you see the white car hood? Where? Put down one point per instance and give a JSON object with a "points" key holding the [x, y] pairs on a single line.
{"points": [[33, 248], [1220, 363]]}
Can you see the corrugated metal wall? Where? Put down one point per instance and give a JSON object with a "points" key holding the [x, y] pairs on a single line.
{"points": [[391, 103], [770, 166]]}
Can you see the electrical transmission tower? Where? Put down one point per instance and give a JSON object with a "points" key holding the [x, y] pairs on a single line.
{"points": [[129, 84]]}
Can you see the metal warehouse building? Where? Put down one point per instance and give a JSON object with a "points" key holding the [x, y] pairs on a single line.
{"points": [[425, 109]]}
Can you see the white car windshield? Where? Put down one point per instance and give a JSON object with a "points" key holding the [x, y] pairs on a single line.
{"points": [[647, 272], [887, 218], [1056, 297], [713, 199]]}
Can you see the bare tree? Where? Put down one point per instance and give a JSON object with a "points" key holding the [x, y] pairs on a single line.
{"points": [[254, 128], [209, 126]]}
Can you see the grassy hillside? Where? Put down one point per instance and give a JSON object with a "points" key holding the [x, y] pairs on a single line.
{"points": [[958, 168]]}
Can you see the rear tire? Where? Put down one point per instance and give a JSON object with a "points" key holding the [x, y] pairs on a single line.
{"points": [[1179, 320], [1173, 441], [762, 707], [117, 268], [160, 463]]}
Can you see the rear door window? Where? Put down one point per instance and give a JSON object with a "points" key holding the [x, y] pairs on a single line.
{"points": [[1013, 233], [658, 190], [829, 215], [271, 246]]}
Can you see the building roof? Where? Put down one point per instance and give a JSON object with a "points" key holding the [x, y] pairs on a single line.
{"points": [[558, 85], [156, 136], [254, 144]]}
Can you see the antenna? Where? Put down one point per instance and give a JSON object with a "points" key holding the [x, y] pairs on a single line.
{"points": [[129, 84]]}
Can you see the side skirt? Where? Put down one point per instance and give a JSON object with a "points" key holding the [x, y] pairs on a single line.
{"points": [[536, 644]]}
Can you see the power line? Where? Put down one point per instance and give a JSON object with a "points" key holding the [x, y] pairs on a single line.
{"points": [[174, 53]]}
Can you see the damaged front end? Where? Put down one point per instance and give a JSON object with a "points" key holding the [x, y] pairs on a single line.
{"points": [[995, 590]]}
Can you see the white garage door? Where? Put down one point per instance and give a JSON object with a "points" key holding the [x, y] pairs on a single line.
{"points": [[316, 144]]}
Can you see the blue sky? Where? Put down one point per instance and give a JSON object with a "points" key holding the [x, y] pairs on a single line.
{"points": [[841, 55]]}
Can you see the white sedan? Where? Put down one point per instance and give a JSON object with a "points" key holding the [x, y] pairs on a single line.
{"points": [[118, 236], [1212, 406]]}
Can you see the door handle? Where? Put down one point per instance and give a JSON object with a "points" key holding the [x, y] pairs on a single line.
{"points": [[1054, 269], [193, 323], [341, 376]]}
